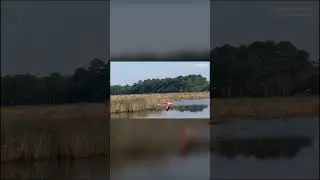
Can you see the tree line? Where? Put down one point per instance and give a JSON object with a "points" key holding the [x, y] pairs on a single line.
{"points": [[263, 69], [259, 69], [86, 84], [190, 83]]}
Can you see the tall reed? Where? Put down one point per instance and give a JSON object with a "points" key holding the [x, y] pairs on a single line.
{"points": [[28, 140]]}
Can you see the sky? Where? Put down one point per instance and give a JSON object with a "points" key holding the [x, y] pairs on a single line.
{"points": [[242, 22], [123, 73], [45, 37], [159, 28]]}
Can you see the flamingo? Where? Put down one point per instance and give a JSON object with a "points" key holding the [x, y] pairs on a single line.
{"points": [[169, 104]]}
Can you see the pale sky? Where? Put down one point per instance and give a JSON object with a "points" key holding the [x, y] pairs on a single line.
{"points": [[123, 73], [159, 28]]}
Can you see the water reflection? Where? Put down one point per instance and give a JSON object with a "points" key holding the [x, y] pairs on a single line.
{"points": [[86, 168], [261, 148], [191, 108], [266, 149], [257, 158], [246, 150]]}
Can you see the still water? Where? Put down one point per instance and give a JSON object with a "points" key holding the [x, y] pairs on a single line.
{"points": [[199, 108], [247, 149], [267, 149]]}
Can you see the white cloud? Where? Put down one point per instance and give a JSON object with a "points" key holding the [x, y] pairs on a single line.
{"points": [[202, 65]]}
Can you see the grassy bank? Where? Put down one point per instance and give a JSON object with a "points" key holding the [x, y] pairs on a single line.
{"points": [[278, 107], [47, 112], [143, 102]]}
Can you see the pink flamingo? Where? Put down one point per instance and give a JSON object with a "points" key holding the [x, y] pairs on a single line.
{"points": [[169, 104]]}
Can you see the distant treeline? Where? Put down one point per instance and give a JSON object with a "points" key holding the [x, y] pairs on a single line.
{"points": [[85, 85], [190, 83], [263, 69], [259, 69]]}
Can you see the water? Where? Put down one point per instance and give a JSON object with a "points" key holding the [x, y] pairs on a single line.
{"points": [[248, 149], [252, 149], [267, 149], [199, 108], [171, 167]]}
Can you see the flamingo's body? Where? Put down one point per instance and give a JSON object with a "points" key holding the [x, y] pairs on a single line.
{"points": [[169, 105]]}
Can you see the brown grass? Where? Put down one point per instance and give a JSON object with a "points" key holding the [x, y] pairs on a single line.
{"points": [[66, 111], [143, 102], [60, 139], [278, 107], [53, 139], [53, 132]]}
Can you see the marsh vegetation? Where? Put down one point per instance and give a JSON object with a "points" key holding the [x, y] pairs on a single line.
{"points": [[144, 102]]}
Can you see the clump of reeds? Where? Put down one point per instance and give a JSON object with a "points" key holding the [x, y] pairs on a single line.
{"points": [[53, 131], [133, 104], [28, 140]]}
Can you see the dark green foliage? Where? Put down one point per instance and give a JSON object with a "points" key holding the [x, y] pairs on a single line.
{"points": [[191, 83], [89, 84], [263, 69]]}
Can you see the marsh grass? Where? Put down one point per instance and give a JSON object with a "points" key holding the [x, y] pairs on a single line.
{"points": [[82, 136], [29, 140], [145, 102], [46, 112], [257, 108], [31, 133]]}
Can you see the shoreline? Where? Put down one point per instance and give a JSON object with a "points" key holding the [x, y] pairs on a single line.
{"points": [[223, 109], [145, 102], [264, 108]]}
